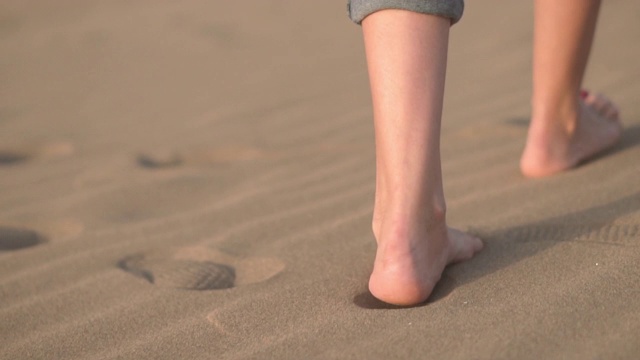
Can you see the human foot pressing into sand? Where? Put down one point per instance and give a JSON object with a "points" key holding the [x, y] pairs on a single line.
{"points": [[406, 46]]}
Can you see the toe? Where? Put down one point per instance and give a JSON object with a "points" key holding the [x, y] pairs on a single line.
{"points": [[602, 105], [613, 112], [464, 245]]}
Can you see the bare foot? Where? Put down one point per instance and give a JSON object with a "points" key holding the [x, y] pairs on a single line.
{"points": [[410, 261], [560, 143]]}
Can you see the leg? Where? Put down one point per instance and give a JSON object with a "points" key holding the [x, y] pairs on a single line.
{"points": [[565, 127], [406, 56]]}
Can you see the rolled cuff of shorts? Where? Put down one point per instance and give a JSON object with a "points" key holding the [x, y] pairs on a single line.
{"points": [[452, 9]]}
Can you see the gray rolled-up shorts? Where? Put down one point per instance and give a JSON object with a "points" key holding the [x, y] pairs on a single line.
{"points": [[452, 9]]}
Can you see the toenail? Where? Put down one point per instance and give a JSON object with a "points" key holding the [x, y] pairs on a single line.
{"points": [[584, 94]]}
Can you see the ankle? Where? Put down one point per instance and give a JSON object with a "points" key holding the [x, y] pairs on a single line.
{"points": [[556, 114], [562, 119], [403, 225], [396, 213]]}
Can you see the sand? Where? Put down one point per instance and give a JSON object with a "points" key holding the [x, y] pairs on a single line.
{"points": [[194, 180]]}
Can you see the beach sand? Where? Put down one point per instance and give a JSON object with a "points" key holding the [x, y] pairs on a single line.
{"points": [[194, 180]]}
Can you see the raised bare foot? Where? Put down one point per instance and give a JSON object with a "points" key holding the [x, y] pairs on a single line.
{"points": [[410, 260], [561, 141]]}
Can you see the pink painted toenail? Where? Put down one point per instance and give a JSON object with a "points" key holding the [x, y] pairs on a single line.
{"points": [[584, 94]]}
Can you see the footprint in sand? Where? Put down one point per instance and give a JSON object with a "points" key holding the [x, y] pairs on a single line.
{"points": [[221, 155], [23, 153], [22, 235], [199, 268], [16, 238], [8, 157]]}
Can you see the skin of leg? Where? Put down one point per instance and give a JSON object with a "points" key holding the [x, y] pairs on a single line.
{"points": [[406, 58], [565, 127]]}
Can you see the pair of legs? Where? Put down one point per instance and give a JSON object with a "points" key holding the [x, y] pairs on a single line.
{"points": [[406, 56]]}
